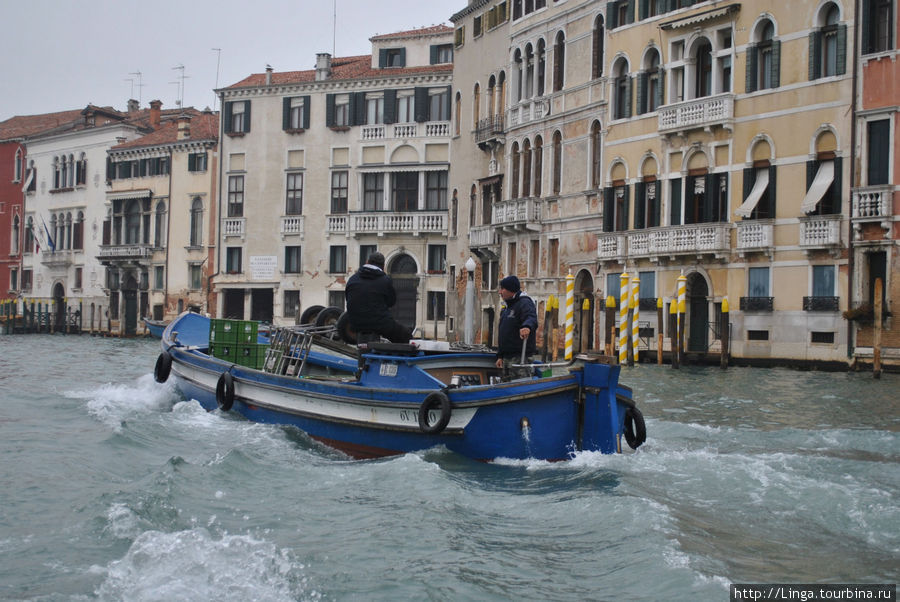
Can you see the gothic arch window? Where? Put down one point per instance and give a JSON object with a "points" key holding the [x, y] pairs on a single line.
{"points": [[476, 104], [514, 180], [557, 162], [597, 48], [519, 73], [528, 88], [538, 165], [14, 239], [78, 232], [596, 155], [526, 168], [541, 67], [559, 61], [621, 89]]}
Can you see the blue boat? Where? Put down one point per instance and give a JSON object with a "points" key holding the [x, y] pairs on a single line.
{"points": [[382, 399], [155, 327]]}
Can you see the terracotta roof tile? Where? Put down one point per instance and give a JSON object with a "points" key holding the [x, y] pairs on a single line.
{"points": [[29, 125], [204, 126], [343, 68], [423, 31]]}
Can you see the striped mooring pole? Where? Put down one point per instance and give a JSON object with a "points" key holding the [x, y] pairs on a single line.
{"points": [[623, 317], [635, 316], [682, 286], [570, 313]]}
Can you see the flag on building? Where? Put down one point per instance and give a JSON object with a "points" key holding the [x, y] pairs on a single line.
{"points": [[50, 242]]}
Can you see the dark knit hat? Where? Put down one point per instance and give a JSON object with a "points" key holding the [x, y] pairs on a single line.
{"points": [[376, 259], [511, 283]]}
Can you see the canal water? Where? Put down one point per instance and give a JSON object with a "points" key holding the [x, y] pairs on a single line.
{"points": [[114, 488]]}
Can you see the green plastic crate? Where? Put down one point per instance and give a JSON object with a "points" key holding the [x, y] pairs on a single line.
{"points": [[223, 351], [246, 331], [222, 331], [251, 355]]}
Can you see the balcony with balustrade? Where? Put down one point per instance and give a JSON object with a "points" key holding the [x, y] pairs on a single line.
{"points": [[519, 214], [755, 236], [415, 223], [698, 113], [61, 258], [484, 237], [234, 226], [130, 252], [820, 232], [291, 225], [666, 242], [873, 204], [528, 110], [490, 130], [404, 131]]}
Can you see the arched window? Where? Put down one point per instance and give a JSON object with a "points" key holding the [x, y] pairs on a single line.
{"points": [[57, 173], [703, 62], [597, 49], [517, 9], [14, 246], [78, 232], [519, 83], [492, 97], [764, 59], [159, 227], [828, 44], [458, 112], [541, 67], [621, 89], [17, 173], [29, 235], [528, 90], [81, 170], [596, 156], [557, 162], [559, 61], [500, 94], [649, 84], [196, 222], [68, 233], [538, 165], [830, 41], [526, 169], [476, 105], [514, 180], [70, 181]]}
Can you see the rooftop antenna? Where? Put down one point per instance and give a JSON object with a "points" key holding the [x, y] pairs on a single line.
{"points": [[139, 85], [131, 80], [334, 30], [218, 52], [180, 101]]}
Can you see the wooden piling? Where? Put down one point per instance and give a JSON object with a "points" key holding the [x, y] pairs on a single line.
{"points": [[723, 363], [876, 345]]}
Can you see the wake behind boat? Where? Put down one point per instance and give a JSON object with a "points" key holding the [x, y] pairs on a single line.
{"points": [[381, 399]]}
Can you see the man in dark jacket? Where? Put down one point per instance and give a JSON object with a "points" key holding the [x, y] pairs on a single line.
{"points": [[518, 322], [370, 295]]}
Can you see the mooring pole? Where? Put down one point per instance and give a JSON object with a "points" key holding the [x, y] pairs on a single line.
{"points": [[673, 332], [876, 344], [659, 331], [724, 336]]}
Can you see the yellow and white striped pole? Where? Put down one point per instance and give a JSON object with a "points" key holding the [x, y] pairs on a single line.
{"points": [[635, 316], [623, 317], [681, 288], [570, 313]]}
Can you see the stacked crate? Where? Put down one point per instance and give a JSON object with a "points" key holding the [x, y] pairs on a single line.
{"points": [[236, 341]]}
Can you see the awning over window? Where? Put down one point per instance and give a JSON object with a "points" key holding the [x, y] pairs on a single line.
{"points": [[821, 183], [701, 17], [762, 182], [128, 194]]}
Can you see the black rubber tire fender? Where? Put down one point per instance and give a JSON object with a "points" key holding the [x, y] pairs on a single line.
{"points": [[328, 316], [635, 429], [344, 330], [225, 392], [309, 314], [163, 367], [437, 399]]}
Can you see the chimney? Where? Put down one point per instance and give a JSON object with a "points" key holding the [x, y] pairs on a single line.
{"points": [[323, 66], [133, 105], [268, 75], [155, 106], [184, 127]]}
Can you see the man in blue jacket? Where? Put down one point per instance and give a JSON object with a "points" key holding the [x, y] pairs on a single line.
{"points": [[370, 296], [518, 323]]}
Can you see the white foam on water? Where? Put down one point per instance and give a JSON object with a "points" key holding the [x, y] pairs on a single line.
{"points": [[194, 565], [114, 403]]}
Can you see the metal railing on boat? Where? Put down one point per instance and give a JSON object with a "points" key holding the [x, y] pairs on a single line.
{"points": [[290, 347]]}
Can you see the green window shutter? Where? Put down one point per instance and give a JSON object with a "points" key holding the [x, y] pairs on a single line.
{"points": [[628, 94], [752, 68], [772, 190], [811, 168], [285, 113], [842, 49], [675, 202], [421, 102], [382, 58], [390, 106], [709, 198], [866, 44], [657, 200], [625, 206], [611, 15], [402, 57], [307, 109], [329, 110], [609, 209], [358, 108], [660, 94], [629, 12], [246, 115], [192, 162], [449, 104], [749, 181], [227, 117], [641, 93], [432, 54], [776, 63], [837, 188], [640, 193], [815, 57], [645, 10]]}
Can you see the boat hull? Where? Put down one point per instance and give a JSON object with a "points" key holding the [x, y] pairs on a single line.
{"points": [[377, 414]]}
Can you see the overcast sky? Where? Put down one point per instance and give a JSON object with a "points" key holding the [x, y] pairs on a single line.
{"points": [[62, 54]]}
